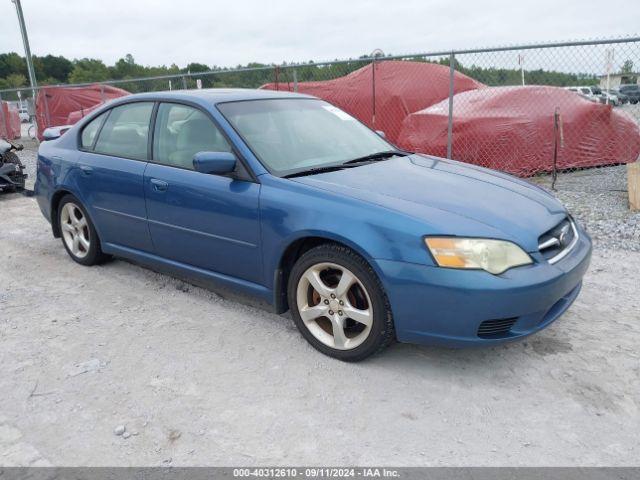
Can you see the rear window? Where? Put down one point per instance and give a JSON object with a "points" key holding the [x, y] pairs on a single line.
{"points": [[126, 131]]}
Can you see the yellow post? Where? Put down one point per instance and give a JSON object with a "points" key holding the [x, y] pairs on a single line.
{"points": [[633, 179]]}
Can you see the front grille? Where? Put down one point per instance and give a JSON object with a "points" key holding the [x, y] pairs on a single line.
{"points": [[495, 328], [557, 242]]}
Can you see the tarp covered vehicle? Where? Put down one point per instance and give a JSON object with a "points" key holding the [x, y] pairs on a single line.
{"points": [[400, 88], [512, 129], [9, 121], [54, 104]]}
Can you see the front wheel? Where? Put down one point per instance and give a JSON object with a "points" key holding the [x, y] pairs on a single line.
{"points": [[338, 303]]}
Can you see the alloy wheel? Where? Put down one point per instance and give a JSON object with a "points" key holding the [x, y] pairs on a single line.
{"points": [[335, 306], [75, 230]]}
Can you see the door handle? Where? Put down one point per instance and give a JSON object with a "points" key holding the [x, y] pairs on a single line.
{"points": [[86, 169], [159, 185]]}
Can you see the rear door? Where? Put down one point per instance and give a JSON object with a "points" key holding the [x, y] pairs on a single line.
{"points": [[114, 153], [207, 221]]}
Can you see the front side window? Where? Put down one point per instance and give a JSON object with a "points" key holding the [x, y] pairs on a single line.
{"points": [[290, 135], [126, 131], [89, 132], [181, 132]]}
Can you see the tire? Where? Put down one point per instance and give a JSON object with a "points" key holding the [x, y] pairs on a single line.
{"points": [[11, 157], [315, 291], [74, 222]]}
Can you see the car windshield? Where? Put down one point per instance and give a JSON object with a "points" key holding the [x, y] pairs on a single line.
{"points": [[294, 135]]}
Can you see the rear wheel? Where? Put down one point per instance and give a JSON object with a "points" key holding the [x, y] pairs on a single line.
{"points": [[79, 236], [338, 303]]}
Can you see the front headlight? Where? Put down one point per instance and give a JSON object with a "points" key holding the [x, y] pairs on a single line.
{"points": [[493, 256]]}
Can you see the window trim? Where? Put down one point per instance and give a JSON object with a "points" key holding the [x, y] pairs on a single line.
{"points": [[109, 111], [246, 174]]}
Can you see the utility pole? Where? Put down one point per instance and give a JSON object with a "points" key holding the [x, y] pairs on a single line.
{"points": [[27, 50]]}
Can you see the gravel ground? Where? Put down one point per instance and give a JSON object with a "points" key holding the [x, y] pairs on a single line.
{"points": [[196, 379], [117, 365], [598, 198]]}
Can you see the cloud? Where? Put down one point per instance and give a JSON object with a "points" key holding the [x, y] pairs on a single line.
{"points": [[231, 33]]}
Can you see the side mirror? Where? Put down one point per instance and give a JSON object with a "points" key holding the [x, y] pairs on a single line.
{"points": [[217, 163], [52, 133], [381, 133]]}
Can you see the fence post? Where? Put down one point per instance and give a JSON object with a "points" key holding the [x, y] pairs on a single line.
{"points": [[3, 123], [47, 117], [452, 59], [295, 80], [276, 76], [373, 93]]}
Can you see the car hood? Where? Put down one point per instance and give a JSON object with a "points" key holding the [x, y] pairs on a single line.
{"points": [[477, 201]]}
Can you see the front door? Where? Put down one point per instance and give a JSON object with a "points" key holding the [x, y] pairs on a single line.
{"points": [[207, 221]]}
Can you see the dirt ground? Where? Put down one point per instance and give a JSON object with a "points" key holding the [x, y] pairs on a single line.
{"points": [[196, 379]]}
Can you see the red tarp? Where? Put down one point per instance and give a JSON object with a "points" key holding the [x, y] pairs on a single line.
{"points": [[73, 117], [400, 89], [512, 129], [9, 121], [54, 104]]}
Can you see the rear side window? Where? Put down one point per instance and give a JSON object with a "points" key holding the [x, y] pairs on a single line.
{"points": [[181, 132], [89, 132], [126, 131]]}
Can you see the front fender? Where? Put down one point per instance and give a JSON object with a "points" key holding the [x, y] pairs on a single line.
{"points": [[291, 211]]}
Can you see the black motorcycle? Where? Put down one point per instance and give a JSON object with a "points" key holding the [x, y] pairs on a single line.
{"points": [[12, 176]]}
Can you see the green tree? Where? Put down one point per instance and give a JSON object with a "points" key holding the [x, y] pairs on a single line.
{"points": [[16, 80], [627, 67], [52, 67], [88, 70], [196, 67], [126, 68], [12, 63]]}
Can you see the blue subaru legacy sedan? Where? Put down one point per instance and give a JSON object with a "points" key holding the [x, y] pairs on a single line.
{"points": [[290, 199]]}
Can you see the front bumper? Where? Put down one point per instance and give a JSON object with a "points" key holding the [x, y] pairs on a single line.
{"points": [[433, 305]]}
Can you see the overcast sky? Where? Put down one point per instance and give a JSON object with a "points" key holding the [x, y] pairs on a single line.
{"points": [[227, 33]]}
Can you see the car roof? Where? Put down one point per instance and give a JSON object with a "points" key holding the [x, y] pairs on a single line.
{"points": [[217, 95]]}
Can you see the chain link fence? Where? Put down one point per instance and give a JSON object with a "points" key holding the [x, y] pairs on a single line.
{"points": [[524, 110]]}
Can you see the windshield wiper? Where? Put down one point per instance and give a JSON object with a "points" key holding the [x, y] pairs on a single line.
{"points": [[312, 171], [374, 157]]}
